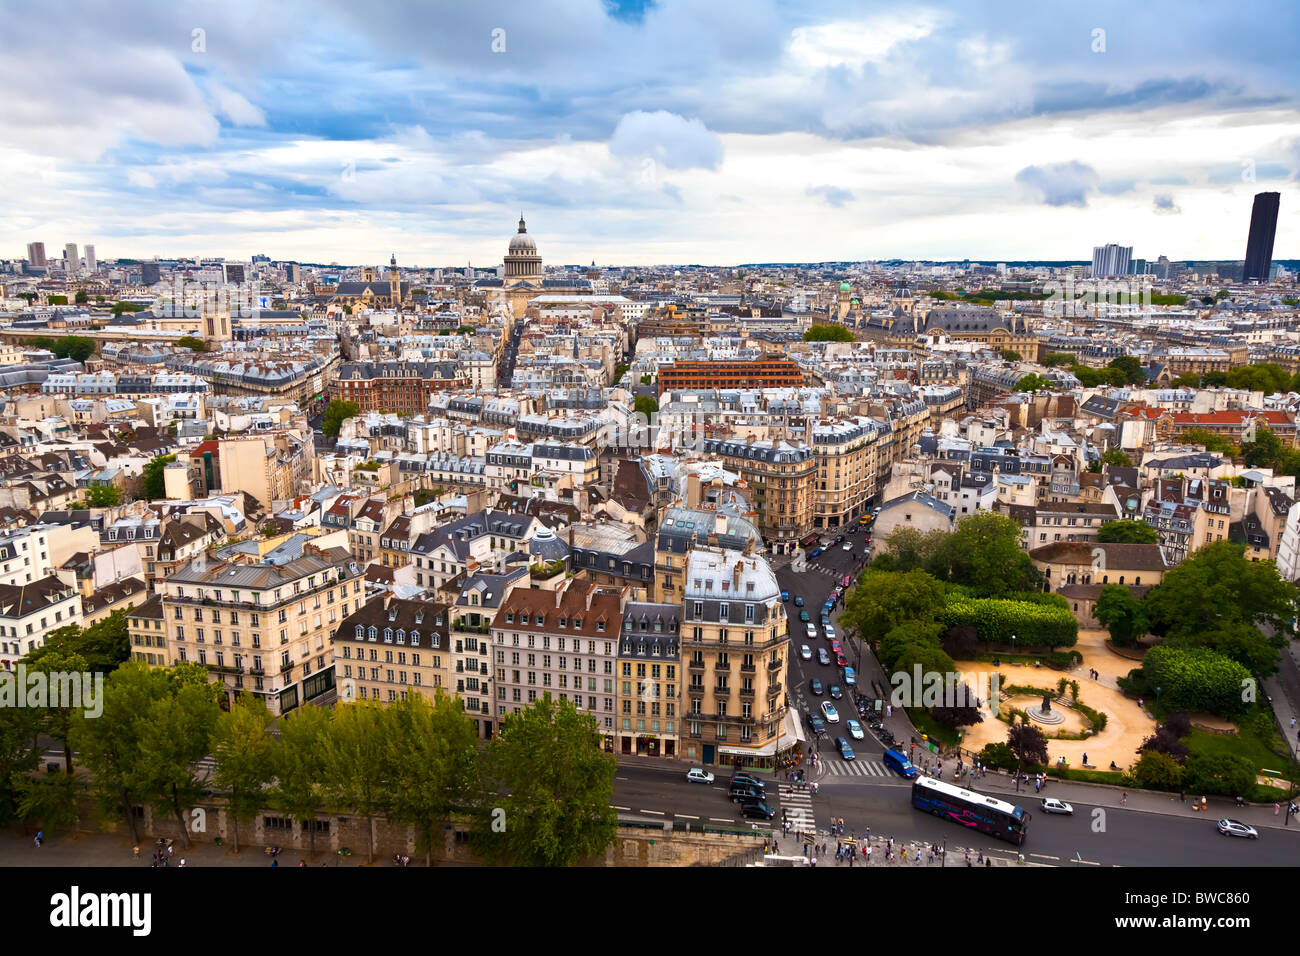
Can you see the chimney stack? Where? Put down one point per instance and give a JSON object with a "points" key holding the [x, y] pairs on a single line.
{"points": [[591, 593], [735, 575]]}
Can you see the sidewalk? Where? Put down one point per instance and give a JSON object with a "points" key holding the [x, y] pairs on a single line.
{"points": [[74, 849], [918, 854]]}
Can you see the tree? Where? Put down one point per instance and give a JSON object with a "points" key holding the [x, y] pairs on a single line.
{"points": [[1032, 382], [357, 772], [1054, 359], [1028, 744], [1265, 451], [103, 496], [155, 485], [645, 405], [1131, 367], [76, 347], [1187, 380], [103, 645], [1157, 771], [179, 735], [984, 554], [244, 750], [1010, 355], [998, 756], [909, 549], [49, 801], [1208, 440], [58, 300], [1196, 679], [1127, 531], [120, 307], [81, 298], [193, 343], [1165, 742], [299, 767], [19, 755], [109, 744], [647, 378], [336, 413], [828, 333], [951, 714], [1117, 459], [900, 640], [884, 599], [58, 719], [961, 643], [1265, 377], [433, 750], [558, 784], [1121, 613], [1217, 586]]}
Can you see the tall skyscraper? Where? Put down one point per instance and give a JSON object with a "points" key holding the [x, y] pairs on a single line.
{"points": [[1263, 227], [71, 261], [1110, 260], [90, 258], [149, 274], [36, 253]]}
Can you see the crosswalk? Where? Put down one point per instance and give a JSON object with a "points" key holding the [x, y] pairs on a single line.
{"points": [[857, 768], [797, 809]]}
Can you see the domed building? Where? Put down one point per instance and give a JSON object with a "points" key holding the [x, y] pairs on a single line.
{"points": [[523, 264], [523, 279]]}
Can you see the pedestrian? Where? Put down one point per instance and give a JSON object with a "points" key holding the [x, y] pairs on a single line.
{"points": [[867, 853], [1038, 785], [1277, 808], [182, 862], [1293, 722], [903, 851], [980, 858], [889, 711], [1085, 760], [171, 850], [135, 851], [814, 862], [1182, 796], [274, 863], [1139, 701], [968, 856], [1123, 798]]}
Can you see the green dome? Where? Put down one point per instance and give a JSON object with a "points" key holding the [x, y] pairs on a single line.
{"points": [[844, 287]]}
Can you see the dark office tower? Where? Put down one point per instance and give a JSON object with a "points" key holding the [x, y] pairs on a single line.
{"points": [[1263, 226], [149, 273]]}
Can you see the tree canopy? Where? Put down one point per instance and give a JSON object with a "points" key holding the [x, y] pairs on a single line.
{"points": [[1032, 382], [336, 413], [828, 333], [192, 342], [155, 485], [1127, 531]]}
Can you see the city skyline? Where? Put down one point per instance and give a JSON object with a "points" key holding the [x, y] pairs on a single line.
{"points": [[645, 133]]}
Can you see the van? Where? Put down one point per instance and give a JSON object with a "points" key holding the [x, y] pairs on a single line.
{"points": [[897, 761], [744, 793], [745, 780]]}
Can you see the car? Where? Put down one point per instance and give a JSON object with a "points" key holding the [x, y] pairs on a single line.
{"points": [[815, 686], [814, 552], [830, 713], [846, 752], [699, 775], [836, 648], [841, 660], [812, 631], [834, 691], [897, 761], [850, 676], [815, 723], [747, 780], [838, 590], [1052, 805], [798, 601], [785, 595], [848, 545], [875, 510], [1235, 828], [830, 632], [757, 810], [826, 619], [805, 652], [855, 729], [822, 657], [803, 616], [846, 580], [743, 793]]}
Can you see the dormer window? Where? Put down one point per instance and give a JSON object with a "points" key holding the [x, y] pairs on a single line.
{"points": [[401, 636], [361, 631], [563, 621], [415, 638], [373, 633], [510, 617], [600, 625], [577, 623]]}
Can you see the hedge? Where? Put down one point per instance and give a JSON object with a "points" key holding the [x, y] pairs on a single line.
{"points": [[995, 620], [1196, 679]]}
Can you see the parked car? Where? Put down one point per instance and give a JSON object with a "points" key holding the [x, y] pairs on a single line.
{"points": [[822, 657], [846, 580], [830, 632], [850, 677], [798, 600], [699, 775], [757, 810], [1235, 828], [815, 686], [840, 659], [814, 552], [846, 752], [1052, 805], [830, 713], [805, 652], [855, 729], [838, 590]]}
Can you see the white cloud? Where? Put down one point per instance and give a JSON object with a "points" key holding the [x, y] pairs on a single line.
{"points": [[1060, 184], [857, 43], [670, 140], [236, 108]]}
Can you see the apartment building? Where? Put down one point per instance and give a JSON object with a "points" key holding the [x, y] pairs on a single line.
{"points": [[390, 646], [735, 650], [476, 604], [847, 470], [1050, 522], [781, 476], [562, 642], [403, 387], [649, 670], [480, 541], [757, 373], [148, 633], [30, 611], [263, 628], [681, 530]]}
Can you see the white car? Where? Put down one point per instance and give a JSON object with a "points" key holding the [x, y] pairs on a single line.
{"points": [[1052, 805], [848, 545], [1233, 828], [855, 729], [830, 713], [812, 630], [805, 652], [830, 632], [699, 775]]}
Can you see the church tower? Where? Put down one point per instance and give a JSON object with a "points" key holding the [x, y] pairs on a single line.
{"points": [[394, 284]]}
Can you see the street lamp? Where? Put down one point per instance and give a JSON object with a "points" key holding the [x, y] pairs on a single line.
{"points": [[1013, 645], [1157, 697]]}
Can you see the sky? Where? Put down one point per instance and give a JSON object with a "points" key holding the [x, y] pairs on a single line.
{"points": [[646, 131]]}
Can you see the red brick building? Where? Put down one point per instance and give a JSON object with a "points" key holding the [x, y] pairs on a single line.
{"points": [[764, 373], [395, 386]]}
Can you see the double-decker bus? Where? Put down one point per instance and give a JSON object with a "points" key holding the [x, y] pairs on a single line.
{"points": [[997, 818]]}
